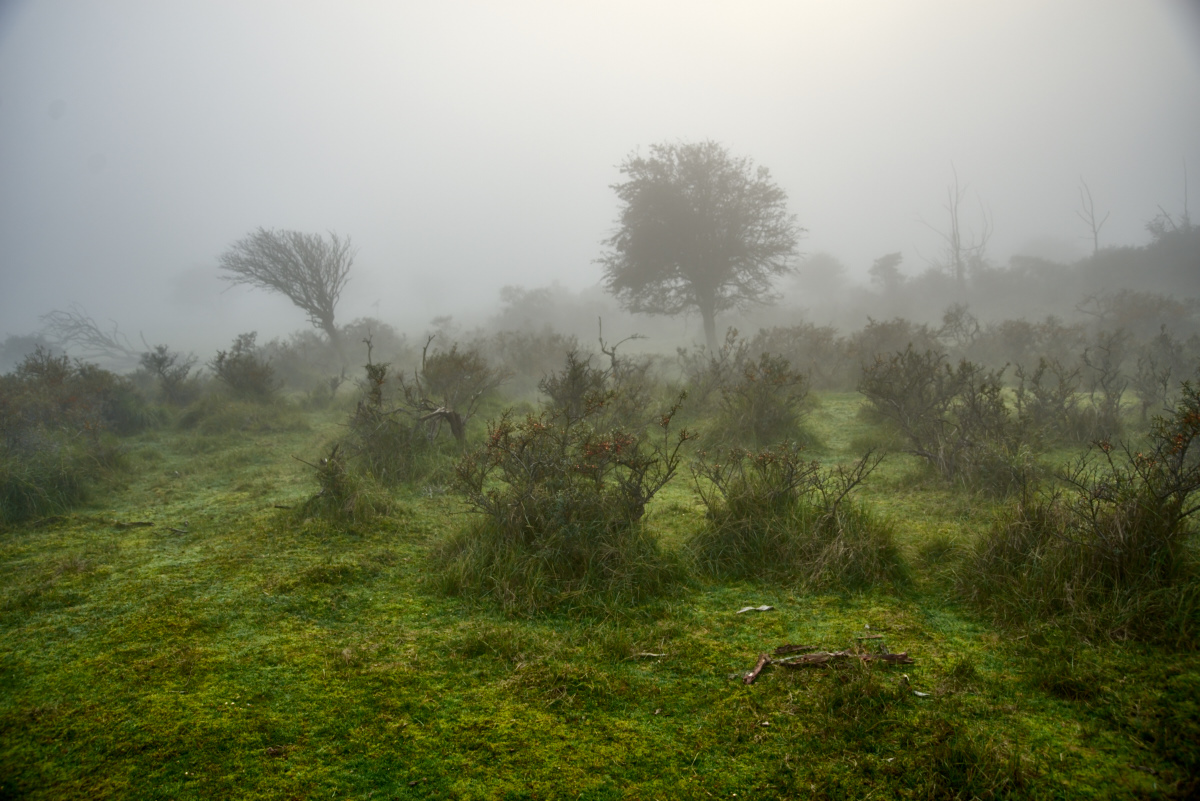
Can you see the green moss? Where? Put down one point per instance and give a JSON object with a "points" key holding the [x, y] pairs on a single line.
{"points": [[233, 649]]}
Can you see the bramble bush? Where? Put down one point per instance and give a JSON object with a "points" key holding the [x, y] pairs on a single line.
{"points": [[773, 515], [1112, 550], [559, 504]]}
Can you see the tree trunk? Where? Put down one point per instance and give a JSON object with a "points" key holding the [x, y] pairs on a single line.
{"points": [[710, 328], [335, 341]]}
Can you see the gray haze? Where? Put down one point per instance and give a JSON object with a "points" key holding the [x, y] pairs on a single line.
{"points": [[465, 146]]}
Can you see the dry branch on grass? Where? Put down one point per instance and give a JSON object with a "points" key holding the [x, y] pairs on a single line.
{"points": [[820, 659]]}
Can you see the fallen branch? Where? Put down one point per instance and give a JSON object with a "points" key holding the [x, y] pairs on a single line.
{"points": [[823, 658], [820, 659], [791, 649], [763, 661]]}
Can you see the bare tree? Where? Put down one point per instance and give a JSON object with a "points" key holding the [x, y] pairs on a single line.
{"points": [[306, 268], [1087, 213], [962, 248], [75, 328]]}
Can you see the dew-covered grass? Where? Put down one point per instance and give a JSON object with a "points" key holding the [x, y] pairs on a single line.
{"points": [[192, 634]]}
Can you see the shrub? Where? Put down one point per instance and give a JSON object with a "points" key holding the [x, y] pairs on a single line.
{"points": [[772, 515], [390, 444], [956, 419], [764, 404], [1047, 403], [173, 371], [706, 373], [1108, 553], [56, 422], [815, 350], [560, 505], [448, 388], [344, 494], [246, 372]]}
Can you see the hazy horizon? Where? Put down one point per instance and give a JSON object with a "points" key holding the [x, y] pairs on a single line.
{"points": [[468, 146]]}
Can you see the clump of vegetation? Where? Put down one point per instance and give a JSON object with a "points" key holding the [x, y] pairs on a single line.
{"points": [[174, 373], [57, 418], [773, 515], [344, 495], [245, 371], [560, 504], [387, 443], [1112, 551], [448, 388], [955, 418], [764, 405]]}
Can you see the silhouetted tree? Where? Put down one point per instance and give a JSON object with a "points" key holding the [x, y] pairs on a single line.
{"points": [[306, 268], [700, 229], [1087, 213], [963, 248]]}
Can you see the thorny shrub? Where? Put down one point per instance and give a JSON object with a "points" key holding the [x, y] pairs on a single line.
{"points": [[771, 514], [764, 404], [560, 503], [244, 369], [955, 418], [1111, 551], [384, 439]]}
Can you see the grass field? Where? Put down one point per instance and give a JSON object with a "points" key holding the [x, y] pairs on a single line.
{"points": [[190, 634]]}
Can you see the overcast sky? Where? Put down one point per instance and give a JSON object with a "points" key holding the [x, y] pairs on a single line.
{"points": [[469, 145]]}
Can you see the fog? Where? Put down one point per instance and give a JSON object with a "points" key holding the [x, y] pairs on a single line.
{"points": [[469, 146]]}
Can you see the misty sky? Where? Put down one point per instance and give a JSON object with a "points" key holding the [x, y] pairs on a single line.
{"points": [[469, 145]]}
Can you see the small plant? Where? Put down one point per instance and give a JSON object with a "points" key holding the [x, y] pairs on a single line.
{"points": [[247, 373], [343, 494], [560, 505], [774, 515]]}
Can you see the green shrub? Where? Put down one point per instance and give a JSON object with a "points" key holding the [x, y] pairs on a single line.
{"points": [[1113, 551], [773, 516], [560, 505], [955, 418], [764, 404], [57, 420], [344, 494], [391, 445], [245, 371]]}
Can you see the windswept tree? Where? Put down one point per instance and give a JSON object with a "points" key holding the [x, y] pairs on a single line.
{"points": [[306, 268], [699, 230]]}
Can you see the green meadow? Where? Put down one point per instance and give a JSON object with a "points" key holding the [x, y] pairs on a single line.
{"points": [[196, 628]]}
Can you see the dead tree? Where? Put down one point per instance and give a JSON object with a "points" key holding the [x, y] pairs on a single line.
{"points": [[963, 249]]}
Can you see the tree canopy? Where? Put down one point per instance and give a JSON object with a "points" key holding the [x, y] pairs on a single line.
{"points": [[306, 268], [699, 230]]}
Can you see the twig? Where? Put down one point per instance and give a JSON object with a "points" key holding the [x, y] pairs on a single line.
{"points": [[763, 661]]}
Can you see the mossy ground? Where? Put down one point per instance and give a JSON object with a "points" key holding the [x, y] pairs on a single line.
{"points": [[232, 648]]}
